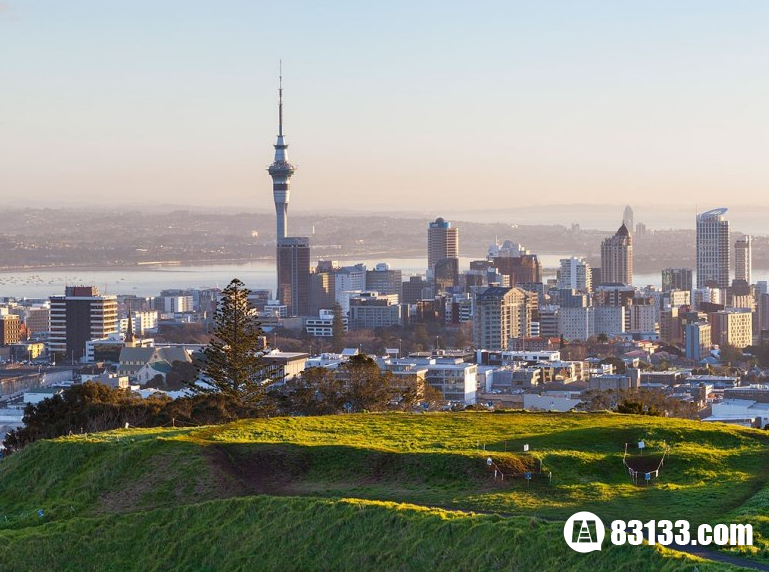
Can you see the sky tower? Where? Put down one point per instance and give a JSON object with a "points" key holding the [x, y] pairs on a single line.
{"points": [[292, 256], [281, 170]]}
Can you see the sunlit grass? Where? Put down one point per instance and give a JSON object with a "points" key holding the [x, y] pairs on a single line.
{"points": [[712, 472], [278, 534]]}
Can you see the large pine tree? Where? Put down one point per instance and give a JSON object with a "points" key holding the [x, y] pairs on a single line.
{"points": [[233, 361]]}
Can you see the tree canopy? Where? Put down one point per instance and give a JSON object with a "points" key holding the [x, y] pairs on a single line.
{"points": [[233, 362]]}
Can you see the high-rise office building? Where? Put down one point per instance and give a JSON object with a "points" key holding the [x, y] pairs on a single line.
{"points": [[347, 280], [414, 290], [499, 315], [713, 249], [321, 289], [697, 340], [515, 262], [442, 242], [384, 280], [81, 315], [731, 327], [294, 274], [743, 260], [445, 275], [617, 258], [676, 279], [575, 274]]}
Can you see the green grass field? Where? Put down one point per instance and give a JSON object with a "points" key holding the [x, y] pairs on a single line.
{"points": [[226, 497]]}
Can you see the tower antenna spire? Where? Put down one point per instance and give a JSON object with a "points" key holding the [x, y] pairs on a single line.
{"points": [[280, 98]]}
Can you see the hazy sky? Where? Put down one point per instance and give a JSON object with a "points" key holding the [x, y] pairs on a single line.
{"points": [[419, 104]]}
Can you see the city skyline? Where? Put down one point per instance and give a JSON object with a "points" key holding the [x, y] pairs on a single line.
{"points": [[104, 103], [521, 235]]}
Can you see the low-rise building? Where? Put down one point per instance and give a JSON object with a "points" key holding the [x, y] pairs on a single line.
{"points": [[35, 396], [616, 382], [322, 326], [370, 310], [133, 359], [456, 379], [741, 411], [285, 366], [550, 401]]}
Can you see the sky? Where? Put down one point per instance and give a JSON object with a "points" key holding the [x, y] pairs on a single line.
{"points": [[412, 106]]}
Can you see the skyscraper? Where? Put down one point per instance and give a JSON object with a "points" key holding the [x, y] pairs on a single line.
{"points": [[514, 261], [575, 274], [82, 314], [500, 314], [322, 287], [445, 275], [743, 260], [713, 249], [294, 274], [414, 290], [442, 242], [676, 279], [384, 280], [617, 258]]}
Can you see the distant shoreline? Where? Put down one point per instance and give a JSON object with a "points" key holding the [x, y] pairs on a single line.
{"points": [[134, 266], [155, 265]]}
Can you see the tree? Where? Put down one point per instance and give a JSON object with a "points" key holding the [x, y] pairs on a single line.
{"points": [[94, 407], [82, 408], [632, 407], [730, 354], [652, 402], [366, 387], [317, 391], [233, 362], [603, 338], [598, 400], [411, 392], [337, 329], [421, 337], [463, 336], [762, 353]]}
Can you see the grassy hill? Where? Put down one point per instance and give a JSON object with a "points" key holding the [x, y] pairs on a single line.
{"points": [[268, 494]]}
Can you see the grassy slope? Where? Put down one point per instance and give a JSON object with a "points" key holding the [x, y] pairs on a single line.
{"points": [[434, 459], [269, 533]]}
